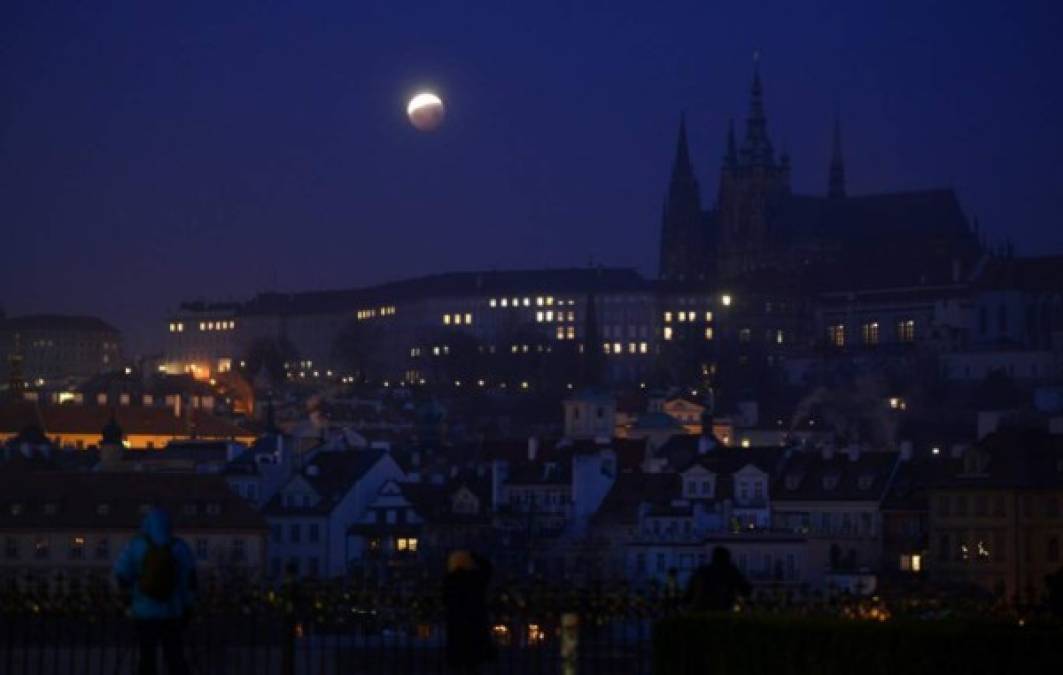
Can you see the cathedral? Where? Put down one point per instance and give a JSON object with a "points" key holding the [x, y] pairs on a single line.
{"points": [[758, 225]]}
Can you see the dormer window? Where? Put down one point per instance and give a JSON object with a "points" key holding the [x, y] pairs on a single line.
{"points": [[103, 509]]}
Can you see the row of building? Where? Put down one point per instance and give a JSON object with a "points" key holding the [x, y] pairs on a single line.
{"points": [[583, 507]]}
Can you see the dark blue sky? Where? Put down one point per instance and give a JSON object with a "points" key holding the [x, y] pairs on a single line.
{"points": [[149, 155]]}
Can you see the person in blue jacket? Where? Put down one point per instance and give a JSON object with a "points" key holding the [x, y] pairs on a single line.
{"points": [[160, 572]]}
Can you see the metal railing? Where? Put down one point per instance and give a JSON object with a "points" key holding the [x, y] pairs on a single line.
{"points": [[332, 632]]}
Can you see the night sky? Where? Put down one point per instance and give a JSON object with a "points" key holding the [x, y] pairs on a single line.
{"points": [[213, 150]]}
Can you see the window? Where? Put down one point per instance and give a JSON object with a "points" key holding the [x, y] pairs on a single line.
{"points": [[10, 548], [202, 549], [744, 335], [667, 332], [906, 331], [313, 566], [77, 548], [41, 548], [911, 563], [870, 333], [313, 533], [836, 335], [239, 550], [406, 544], [295, 533]]}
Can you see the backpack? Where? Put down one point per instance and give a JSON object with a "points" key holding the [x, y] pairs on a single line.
{"points": [[158, 572]]}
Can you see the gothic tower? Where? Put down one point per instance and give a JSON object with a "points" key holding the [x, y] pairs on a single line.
{"points": [[683, 232], [751, 181]]}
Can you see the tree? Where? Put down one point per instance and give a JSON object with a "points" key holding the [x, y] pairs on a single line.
{"points": [[271, 355]]}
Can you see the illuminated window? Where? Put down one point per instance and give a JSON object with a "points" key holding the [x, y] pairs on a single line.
{"points": [[527, 302], [836, 335], [406, 544], [618, 348], [446, 319], [560, 332], [744, 335], [870, 333], [608, 348], [778, 337], [202, 325], [632, 347], [550, 301], [667, 317], [173, 328], [667, 332], [725, 300], [708, 333], [539, 301], [570, 332], [493, 302], [550, 315], [539, 317], [906, 331], [505, 302], [682, 316], [468, 319], [643, 348]]}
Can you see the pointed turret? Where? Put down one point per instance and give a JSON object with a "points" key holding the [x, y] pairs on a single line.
{"points": [[836, 187], [682, 169], [730, 158], [756, 149], [682, 241]]}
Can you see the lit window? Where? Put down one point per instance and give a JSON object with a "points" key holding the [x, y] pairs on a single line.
{"points": [[667, 317], [667, 332], [778, 337], [539, 317], [608, 348], [539, 301], [202, 325], [682, 317], [618, 348], [446, 319], [870, 333], [725, 300], [836, 334], [549, 301], [745, 442], [468, 319], [643, 347], [632, 347], [527, 302], [708, 316], [173, 328], [550, 315], [560, 332], [571, 332], [493, 302], [906, 331], [708, 333], [505, 302]]}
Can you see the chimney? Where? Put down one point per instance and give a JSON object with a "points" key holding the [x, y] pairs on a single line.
{"points": [[705, 444], [533, 448], [906, 451]]}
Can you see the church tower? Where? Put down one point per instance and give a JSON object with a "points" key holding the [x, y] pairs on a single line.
{"points": [[684, 241], [751, 180]]}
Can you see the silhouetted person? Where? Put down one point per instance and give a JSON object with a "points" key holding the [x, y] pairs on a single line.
{"points": [[715, 587], [161, 573], [465, 600]]}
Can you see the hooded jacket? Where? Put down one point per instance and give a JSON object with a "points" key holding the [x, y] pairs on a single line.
{"points": [[130, 564]]}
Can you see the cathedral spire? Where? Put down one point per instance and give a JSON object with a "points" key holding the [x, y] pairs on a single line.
{"points": [[730, 159], [756, 149], [836, 187], [682, 169]]}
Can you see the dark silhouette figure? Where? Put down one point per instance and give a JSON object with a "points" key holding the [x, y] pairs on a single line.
{"points": [[465, 599], [715, 587], [160, 572]]}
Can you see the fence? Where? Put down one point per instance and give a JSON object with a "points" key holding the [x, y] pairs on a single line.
{"points": [[305, 635]]}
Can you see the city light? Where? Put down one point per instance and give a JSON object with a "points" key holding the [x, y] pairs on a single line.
{"points": [[725, 300]]}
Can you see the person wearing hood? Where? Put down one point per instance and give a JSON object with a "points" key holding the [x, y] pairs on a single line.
{"points": [[160, 572]]}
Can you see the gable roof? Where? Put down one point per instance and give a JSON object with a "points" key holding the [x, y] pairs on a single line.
{"points": [[331, 475]]}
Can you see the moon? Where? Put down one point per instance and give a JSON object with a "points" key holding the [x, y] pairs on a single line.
{"points": [[425, 111]]}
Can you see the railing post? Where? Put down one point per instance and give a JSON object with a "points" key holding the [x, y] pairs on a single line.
{"points": [[569, 643]]}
